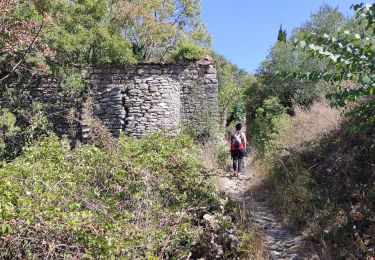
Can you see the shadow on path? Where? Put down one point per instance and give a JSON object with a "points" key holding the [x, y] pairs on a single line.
{"points": [[280, 242]]}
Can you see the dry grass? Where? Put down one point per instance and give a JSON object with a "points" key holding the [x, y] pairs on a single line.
{"points": [[320, 174], [291, 193], [258, 250], [101, 136], [309, 125], [215, 154]]}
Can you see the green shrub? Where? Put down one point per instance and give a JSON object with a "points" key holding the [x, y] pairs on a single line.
{"points": [[270, 118], [96, 203], [187, 51], [13, 136]]}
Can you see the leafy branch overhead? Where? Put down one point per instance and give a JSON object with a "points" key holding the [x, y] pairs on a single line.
{"points": [[352, 55], [99, 32]]}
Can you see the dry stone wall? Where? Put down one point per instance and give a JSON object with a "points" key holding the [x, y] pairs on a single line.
{"points": [[135, 100], [59, 106], [146, 98]]}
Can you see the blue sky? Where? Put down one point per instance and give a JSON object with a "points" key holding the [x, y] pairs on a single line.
{"points": [[244, 30]]}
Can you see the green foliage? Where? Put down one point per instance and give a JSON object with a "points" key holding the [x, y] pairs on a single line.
{"points": [[37, 125], [14, 136], [8, 121], [326, 20], [282, 35], [19, 28], [289, 91], [102, 32], [187, 51], [83, 32], [98, 203], [232, 83], [352, 55], [72, 84], [269, 119], [8, 129], [284, 56], [156, 27], [238, 112]]}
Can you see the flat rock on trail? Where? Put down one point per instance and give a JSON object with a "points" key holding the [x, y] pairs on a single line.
{"points": [[280, 243]]}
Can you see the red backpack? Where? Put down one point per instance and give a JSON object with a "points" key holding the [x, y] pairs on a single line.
{"points": [[237, 141]]}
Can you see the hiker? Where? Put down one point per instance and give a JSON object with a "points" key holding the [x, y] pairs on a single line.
{"points": [[238, 149]]}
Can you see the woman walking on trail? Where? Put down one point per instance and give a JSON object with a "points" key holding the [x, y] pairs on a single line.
{"points": [[238, 149]]}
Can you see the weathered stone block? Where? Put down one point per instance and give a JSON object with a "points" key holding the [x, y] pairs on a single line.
{"points": [[153, 88], [156, 72]]}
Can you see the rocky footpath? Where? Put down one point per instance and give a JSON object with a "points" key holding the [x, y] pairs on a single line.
{"points": [[280, 242]]}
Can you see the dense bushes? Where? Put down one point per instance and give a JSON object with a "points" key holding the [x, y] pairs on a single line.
{"points": [[187, 51], [233, 82], [270, 118], [92, 202]]}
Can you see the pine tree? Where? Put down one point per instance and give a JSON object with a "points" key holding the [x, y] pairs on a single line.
{"points": [[282, 34]]}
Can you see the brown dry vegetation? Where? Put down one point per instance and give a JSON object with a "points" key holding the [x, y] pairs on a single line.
{"points": [[323, 179], [310, 124]]}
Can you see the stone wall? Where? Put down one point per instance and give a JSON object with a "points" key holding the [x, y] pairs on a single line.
{"points": [[60, 108], [135, 100], [145, 98]]}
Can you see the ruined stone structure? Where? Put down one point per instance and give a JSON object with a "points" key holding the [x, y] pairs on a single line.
{"points": [[134, 100], [145, 98]]}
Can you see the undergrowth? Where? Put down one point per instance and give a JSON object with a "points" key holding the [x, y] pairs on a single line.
{"points": [[323, 178], [138, 200]]}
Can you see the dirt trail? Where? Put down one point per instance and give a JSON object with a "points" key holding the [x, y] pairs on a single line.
{"points": [[279, 242]]}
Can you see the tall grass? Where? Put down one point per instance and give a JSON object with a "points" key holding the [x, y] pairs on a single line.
{"points": [[323, 179], [309, 124]]}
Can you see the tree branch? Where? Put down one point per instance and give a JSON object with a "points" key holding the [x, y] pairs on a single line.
{"points": [[24, 54]]}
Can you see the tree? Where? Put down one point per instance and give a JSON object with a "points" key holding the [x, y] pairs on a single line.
{"points": [[284, 56], [326, 20], [352, 54], [288, 91], [233, 81], [156, 27], [20, 29], [282, 36], [84, 32]]}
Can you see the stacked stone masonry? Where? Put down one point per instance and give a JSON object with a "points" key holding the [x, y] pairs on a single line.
{"points": [[146, 98], [59, 107]]}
